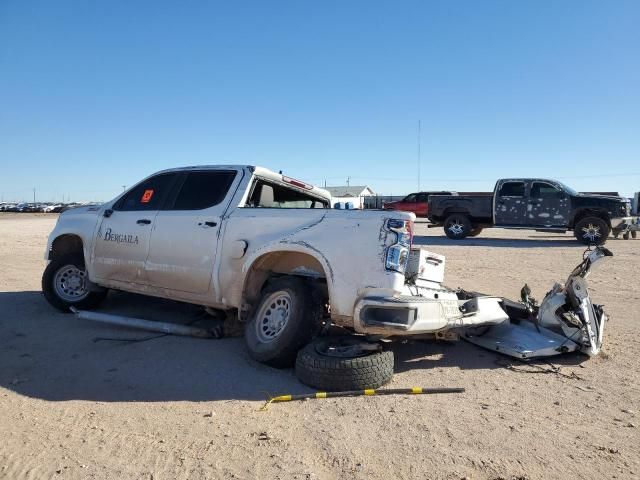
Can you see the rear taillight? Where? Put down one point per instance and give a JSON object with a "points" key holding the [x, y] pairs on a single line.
{"points": [[398, 252]]}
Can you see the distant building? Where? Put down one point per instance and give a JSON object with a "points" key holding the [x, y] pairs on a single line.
{"points": [[350, 193]]}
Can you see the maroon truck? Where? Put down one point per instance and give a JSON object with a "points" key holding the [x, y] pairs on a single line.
{"points": [[418, 203]]}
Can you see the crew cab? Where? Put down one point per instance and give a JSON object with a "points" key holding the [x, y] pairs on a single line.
{"points": [[531, 203], [264, 249], [416, 203]]}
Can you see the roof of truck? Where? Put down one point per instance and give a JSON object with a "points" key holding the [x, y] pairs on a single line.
{"points": [[260, 171]]}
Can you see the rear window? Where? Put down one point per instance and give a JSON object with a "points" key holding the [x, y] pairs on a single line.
{"points": [[512, 189], [202, 190], [271, 195]]}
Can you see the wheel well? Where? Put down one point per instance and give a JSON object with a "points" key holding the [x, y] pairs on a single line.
{"points": [[66, 244], [591, 213], [278, 264]]}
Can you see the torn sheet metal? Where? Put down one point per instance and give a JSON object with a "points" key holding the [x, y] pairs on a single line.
{"points": [[565, 321], [522, 340]]}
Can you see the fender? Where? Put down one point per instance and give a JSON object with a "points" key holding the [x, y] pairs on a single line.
{"points": [[286, 246]]}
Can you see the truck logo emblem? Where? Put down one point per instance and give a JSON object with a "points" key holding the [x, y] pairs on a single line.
{"points": [[109, 236]]}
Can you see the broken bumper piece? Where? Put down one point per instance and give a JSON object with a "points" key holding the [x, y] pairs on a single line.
{"points": [[565, 321], [436, 311]]}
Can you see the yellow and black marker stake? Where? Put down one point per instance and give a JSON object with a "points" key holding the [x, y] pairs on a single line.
{"points": [[359, 393]]}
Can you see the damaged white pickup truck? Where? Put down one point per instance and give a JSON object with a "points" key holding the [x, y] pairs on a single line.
{"points": [[270, 250]]}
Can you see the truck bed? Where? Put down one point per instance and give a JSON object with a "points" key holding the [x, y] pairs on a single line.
{"points": [[479, 207]]}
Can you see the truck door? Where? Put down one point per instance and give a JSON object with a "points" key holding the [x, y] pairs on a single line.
{"points": [[422, 202], [548, 206], [121, 244], [510, 204], [185, 236]]}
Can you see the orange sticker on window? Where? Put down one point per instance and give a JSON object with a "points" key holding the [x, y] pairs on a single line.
{"points": [[146, 196]]}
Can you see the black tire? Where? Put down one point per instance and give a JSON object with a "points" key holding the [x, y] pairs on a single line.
{"points": [[591, 230], [633, 234], [625, 236], [337, 374], [475, 231], [304, 321], [457, 226], [90, 300]]}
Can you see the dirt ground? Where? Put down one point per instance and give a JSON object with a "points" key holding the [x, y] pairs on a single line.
{"points": [[75, 403]]}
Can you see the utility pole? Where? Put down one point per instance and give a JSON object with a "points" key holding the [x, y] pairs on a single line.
{"points": [[348, 179], [34, 194], [124, 187], [419, 151]]}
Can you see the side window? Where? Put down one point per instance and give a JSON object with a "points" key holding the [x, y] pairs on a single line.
{"points": [[271, 195], [544, 190], [512, 189], [410, 198], [202, 190], [423, 197], [149, 195]]}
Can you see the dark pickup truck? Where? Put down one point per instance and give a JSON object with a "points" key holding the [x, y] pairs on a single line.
{"points": [[531, 203]]}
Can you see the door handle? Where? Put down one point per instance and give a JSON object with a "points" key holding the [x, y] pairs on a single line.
{"points": [[143, 221], [207, 224]]}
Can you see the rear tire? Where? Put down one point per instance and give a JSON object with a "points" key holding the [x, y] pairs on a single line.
{"points": [[64, 284], [457, 226], [633, 234], [339, 374], [286, 318], [591, 230]]}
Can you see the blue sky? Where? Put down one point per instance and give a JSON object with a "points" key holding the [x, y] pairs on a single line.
{"points": [[96, 95]]}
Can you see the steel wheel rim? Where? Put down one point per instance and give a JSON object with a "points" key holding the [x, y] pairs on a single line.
{"points": [[591, 232], [273, 316], [69, 283]]}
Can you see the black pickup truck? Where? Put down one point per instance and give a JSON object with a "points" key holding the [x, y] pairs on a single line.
{"points": [[531, 203]]}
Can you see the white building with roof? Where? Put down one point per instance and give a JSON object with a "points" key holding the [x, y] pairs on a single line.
{"points": [[350, 193]]}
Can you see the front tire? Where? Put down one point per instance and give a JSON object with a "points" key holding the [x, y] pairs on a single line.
{"points": [[65, 284], [287, 317], [457, 226], [591, 230]]}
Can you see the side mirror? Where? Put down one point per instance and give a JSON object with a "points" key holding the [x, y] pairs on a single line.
{"points": [[107, 213]]}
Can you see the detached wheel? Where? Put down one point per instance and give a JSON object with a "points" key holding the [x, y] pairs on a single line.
{"points": [[475, 232], [633, 234], [286, 318], [625, 235], [591, 230], [339, 364], [65, 284], [457, 226]]}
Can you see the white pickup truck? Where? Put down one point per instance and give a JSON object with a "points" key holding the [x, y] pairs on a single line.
{"points": [[268, 247]]}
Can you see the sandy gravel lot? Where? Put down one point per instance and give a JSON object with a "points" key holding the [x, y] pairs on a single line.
{"points": [[74, 405]]}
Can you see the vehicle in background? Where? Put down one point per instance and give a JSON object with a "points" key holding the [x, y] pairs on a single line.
{"points": [[535, 204], [417, 203]]}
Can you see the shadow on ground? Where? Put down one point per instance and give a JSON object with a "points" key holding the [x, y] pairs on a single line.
{"points": [[55, 356], [533, 242]]}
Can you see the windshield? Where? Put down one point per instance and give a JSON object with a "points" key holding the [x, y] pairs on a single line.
{"points": [[567, 189]]}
